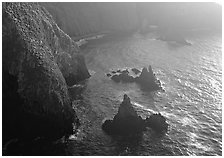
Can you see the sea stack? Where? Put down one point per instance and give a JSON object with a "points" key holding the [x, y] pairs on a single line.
{"points": [[147, 79], [127, 121]]}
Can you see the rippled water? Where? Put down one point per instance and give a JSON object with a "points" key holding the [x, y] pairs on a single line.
{"points": [[191, 77]]}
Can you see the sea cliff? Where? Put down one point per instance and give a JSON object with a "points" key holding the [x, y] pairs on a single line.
{"points": [[39, 62]]}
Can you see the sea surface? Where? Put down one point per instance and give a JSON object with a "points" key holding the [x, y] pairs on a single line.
{"points": [[191, 77], [192, 101]]}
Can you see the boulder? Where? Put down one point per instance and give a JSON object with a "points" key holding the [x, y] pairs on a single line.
{"points": [[38, 58]]}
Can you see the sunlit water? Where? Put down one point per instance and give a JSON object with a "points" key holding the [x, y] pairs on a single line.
{"points": [[191, 77]]}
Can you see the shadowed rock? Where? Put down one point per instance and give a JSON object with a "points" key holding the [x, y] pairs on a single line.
{"points": [[39, 61], [127, 121], [147, 79], [157, 122]]}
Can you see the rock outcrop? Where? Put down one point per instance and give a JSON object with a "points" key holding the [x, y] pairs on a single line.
{"points": [[38, 60], [157, 122], [146, 79], [127, 121]]}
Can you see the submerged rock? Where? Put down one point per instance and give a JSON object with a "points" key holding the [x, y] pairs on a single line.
{"points": [[127, 121], [39, 60]]}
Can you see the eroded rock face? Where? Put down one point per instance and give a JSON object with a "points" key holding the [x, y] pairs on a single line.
{"points": [[38, 59], [127, 121]]}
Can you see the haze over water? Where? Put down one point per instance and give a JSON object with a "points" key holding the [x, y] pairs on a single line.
{"points": [[191, 77]]}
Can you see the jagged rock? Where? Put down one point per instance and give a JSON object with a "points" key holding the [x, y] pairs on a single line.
{"points": [[136, 71], [147, 79], [126, 121], [38, 60], [157, 122]]}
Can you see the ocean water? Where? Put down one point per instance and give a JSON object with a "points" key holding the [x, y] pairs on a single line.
{"points": [[192, 101], [191, 77]]}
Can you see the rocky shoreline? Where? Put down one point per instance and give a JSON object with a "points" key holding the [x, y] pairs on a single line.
{"points": [[40, 61]]}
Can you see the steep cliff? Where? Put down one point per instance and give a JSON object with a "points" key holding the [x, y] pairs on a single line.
{"points": [[38, 59], [79, 19]]}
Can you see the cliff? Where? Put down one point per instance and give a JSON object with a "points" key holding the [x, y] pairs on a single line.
{"points": [[38, 60]]}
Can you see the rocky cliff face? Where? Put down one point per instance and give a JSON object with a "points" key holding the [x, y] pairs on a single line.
{"points": [[38, 59], [79, 19]]}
